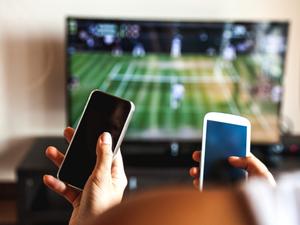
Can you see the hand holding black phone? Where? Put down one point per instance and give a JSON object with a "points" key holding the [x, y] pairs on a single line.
{"points": [[102, 113]]}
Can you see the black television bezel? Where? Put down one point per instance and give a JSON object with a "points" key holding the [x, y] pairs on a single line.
{"points": [[168, 142]]}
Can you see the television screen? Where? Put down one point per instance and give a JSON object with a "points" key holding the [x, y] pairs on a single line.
{"points": [[176, 71]]}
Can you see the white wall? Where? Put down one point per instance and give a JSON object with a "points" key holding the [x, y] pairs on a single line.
{"points": [[32, 98]]}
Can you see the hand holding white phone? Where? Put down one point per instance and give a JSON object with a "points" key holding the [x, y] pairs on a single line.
{"points": [[224, 135]]}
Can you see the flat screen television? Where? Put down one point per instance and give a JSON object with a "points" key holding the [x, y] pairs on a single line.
{"points": [[176, 71]]}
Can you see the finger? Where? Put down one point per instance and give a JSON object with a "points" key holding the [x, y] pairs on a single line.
{"points": [[61, 188], [117, 170], [254, 167], [68, 133], [196, 183], [54, 155], [237, 162], [250, 163], [104, 155], [196, 156], [117, 162], [194, 172]]}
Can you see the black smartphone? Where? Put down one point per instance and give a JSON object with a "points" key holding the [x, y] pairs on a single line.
{"points": [[102, 113]]}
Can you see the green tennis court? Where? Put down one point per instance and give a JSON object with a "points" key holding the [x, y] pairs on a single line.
{"points": [[205, 83]]}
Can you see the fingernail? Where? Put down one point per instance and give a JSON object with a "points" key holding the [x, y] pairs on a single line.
{"points": [[106, 138], [46, 176], [48, 150], [233, 157]]}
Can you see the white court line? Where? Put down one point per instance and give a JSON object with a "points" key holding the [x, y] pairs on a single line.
{"points": [[124, 82], [142, 91], [218, 73], [141, 95], [154, 105], [167, 108], [142, 78], [170, 78], [198, 96], [233, 75], [111, 76]]}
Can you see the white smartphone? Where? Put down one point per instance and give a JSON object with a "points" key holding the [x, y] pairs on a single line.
{"points": [[223, 135], [102, 113]]}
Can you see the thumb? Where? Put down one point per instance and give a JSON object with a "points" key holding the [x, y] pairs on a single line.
{"points": [[254, 167], [104, 155], [249, 163], [238, 162]]}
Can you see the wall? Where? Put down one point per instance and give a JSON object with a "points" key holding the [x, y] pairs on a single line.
{"points": [[32, 100]]}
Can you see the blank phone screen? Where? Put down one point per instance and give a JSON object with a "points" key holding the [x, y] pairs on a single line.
{"points": [[104, 113], [223, 140]]}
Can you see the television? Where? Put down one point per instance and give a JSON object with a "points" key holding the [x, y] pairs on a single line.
{"points": [[177, 71]]}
